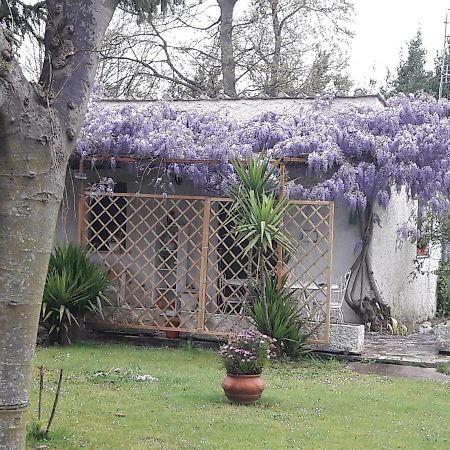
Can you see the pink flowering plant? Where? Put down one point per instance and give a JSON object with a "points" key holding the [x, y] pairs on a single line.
{"points": [[247, 352]]}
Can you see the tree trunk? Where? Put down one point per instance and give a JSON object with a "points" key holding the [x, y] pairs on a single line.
{"points": [[262, 290], [226, 46], [38, 128], [274, 81]]}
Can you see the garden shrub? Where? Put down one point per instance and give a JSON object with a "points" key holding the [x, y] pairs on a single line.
{"points": [[443, 291], [285, 324], [74, 286]]}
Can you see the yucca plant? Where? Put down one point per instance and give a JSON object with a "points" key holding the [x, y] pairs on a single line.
{"points": [[285, 323], [259, 221], [257, 213], [256, 174], [75, 285]]}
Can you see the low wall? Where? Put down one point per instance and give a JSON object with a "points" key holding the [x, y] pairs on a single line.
{"points": [[344, 338]]}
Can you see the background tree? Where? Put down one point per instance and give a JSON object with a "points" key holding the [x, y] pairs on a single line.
{"points": [[205, 50], [226, 46], [323, 72], [411, 74], [435, 76], [149, 58], [281, 41], [39, 125]]}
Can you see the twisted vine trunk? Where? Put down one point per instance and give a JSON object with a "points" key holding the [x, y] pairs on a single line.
{"points": [[362, 294], [38, 127]]}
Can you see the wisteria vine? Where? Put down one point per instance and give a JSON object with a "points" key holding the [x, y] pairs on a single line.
{"points": [[358, 156]]}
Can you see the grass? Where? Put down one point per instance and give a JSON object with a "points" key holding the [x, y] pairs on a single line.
{"points": [[444, 368], [308, 405]]}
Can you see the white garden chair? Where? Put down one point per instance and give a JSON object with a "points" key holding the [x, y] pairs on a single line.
{"points": [[337, 297]]}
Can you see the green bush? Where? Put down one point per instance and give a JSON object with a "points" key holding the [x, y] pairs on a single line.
{"points": [[74, 286], [285, 325], [443, 292]]}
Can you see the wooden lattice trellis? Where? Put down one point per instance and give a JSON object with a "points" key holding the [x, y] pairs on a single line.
{"points": [[174, 264]]}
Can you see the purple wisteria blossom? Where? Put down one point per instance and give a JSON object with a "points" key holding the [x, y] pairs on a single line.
{"points": [[357, 156]]}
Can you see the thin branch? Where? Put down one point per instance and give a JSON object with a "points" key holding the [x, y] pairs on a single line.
{"points": [[55, 403]]}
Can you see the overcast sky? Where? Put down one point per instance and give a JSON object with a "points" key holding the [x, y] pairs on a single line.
{"points": [[383, 27]]}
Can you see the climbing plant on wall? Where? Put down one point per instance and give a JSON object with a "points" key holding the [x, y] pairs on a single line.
{"points": [[357, 156]]}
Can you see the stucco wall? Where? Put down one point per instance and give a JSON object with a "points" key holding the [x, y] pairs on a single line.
{"points": [[242, 110], [411, 295]]}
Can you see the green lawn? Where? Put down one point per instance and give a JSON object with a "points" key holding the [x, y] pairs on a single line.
{"points": [[444, 368], [307, 405]]}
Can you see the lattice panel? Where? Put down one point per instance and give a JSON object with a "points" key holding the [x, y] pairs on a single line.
{"points": [[309, 226], [229, 269], [152, 248], [174, 263]]}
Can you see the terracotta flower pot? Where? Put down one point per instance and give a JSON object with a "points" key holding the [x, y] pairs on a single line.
{"points": [[174, 322], [421, 251], [243, 389]]}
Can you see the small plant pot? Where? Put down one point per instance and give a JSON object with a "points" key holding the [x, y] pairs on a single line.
{"points": [[421, 251], [173, 322], [243, 389]]}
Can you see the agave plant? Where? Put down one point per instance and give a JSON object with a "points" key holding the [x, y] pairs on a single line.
{"points": [[285, 324], [74, 286]]}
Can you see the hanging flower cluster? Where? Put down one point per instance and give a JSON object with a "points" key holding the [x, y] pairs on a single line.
{"points": [[357, 155]]}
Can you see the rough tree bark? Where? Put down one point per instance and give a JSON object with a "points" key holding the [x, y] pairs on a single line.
{"points": [[226, 46], [38, 127], [369, 307], [274, 80]]}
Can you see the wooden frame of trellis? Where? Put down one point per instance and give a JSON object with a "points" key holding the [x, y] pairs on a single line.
{"points": [[204, 234]]}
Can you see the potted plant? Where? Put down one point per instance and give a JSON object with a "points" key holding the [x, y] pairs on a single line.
{"points": [[173, 321], [244, 357], [422, 245]]}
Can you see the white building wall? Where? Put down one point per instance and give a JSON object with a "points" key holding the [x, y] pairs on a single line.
{"points": [[346, 236], [242, 110], [411, 295]]}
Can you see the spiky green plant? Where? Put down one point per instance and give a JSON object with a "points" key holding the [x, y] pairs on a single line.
{"points": [[285, 323], [259, 221], [256, 174], [257, 213], [74, 286]]}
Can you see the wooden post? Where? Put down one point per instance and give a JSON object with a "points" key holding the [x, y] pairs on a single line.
{"points": [[330, 265], [55, 402], [204, 264], [41, 389], [279, 246], [81, 206]]}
